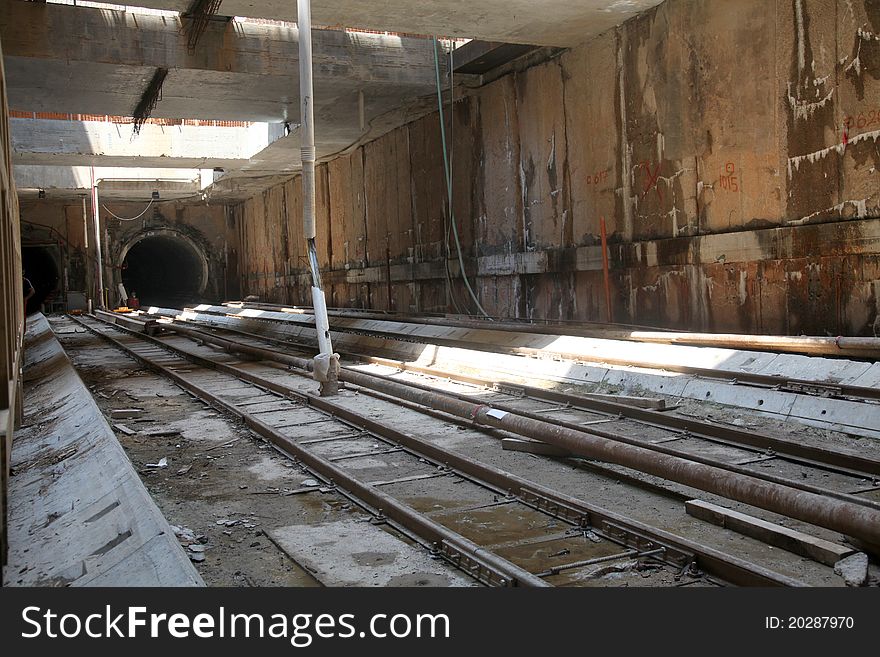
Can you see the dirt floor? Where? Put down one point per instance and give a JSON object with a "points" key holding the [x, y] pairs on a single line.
{"points": [[224, 490]]}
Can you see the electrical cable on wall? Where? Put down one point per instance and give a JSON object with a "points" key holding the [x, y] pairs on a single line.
{"points": [[115, 216], [447, 168], [453, 295], [447, 228]]}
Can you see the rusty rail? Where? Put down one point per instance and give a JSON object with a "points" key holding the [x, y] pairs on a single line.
{"points": [[384, 504], [843, 461], [720, 564], [848, 518]]}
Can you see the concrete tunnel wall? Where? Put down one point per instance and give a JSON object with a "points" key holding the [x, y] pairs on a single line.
{"points": [[204, 234], [732, 148]]}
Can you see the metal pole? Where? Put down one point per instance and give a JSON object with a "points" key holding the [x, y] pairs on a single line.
{"points": [[326, 362], [97, 217], [89, 278], [85, 225]]}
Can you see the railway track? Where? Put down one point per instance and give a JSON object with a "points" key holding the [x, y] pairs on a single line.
{"points": [[844, 476], [840, 473], [538, 537]]}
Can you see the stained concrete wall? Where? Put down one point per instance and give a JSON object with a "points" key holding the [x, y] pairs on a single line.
{"points": [[732, 149], [210, 228]]}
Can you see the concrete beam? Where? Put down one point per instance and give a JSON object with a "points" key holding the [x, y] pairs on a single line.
{"points": [[79, 514], [80, 34], [113, 182], [90, 61], [783, 243], [545, 23], [51, 142]]}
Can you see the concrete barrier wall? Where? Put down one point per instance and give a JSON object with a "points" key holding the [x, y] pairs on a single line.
{"points": [[79, 515]]}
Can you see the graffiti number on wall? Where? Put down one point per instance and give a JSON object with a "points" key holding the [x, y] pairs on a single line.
{"points": [[862, 120], [729, 179], [651, 180], [598, 177]]}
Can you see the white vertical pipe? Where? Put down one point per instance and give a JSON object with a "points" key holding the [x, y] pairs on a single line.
{"points": [[307, 130], [307, 137], [85, 224], [97, 218]]}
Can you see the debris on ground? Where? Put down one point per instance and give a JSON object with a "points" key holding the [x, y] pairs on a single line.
{"points": [[853, 569]]}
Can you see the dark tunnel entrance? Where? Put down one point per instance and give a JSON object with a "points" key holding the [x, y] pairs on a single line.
{"points": [[164, 270], [41, 269]]}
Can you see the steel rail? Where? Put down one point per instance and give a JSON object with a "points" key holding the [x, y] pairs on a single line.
{"points": [[401, 513], [662, 449], [652, 418], [720, 564], [842, 460], [857, 520]]}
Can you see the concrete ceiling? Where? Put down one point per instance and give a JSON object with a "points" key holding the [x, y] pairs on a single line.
{"points": [[539, 22], [80, 60]]}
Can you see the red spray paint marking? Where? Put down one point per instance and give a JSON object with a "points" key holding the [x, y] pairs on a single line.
{"points": [[651, 181], [729, 180]]}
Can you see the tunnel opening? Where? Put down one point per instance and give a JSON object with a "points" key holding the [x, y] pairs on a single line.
{"points": [[41, 269], [164, 270]]}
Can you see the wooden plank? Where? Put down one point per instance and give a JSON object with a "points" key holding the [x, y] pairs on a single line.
{"points": [[782, 537], [428, 188]]}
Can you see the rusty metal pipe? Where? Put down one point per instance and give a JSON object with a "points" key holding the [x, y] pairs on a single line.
{"points": [[860, 347], [847, 518], [857, 347], [723, 565], [238, 347]]}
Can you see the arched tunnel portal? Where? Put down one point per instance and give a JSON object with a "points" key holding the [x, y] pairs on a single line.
{"points": [[164, 269]]}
